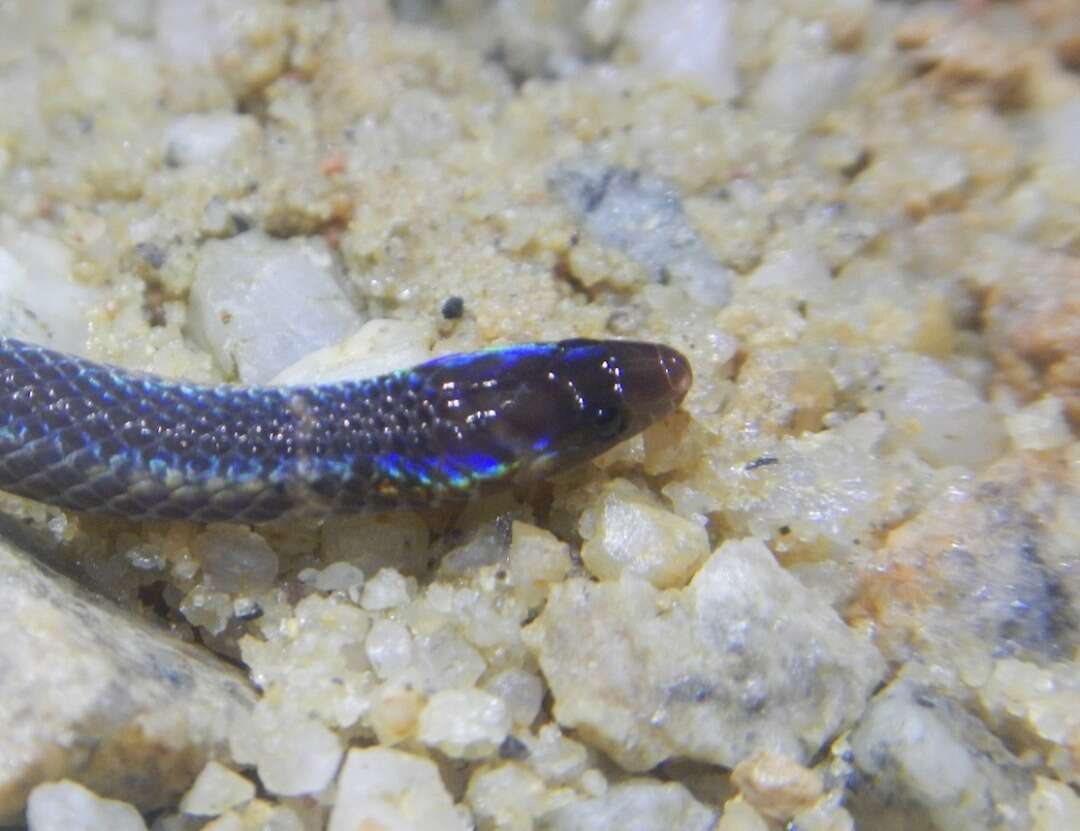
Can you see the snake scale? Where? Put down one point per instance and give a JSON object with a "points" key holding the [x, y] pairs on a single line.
{"points": [[96, 438]]}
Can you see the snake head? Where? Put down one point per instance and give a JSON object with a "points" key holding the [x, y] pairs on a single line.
{"points": [[526, 411]]}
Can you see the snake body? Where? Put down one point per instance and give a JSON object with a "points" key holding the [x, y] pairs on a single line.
{"points": [[96, 438]]}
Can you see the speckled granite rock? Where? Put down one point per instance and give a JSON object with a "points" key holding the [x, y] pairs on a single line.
{"points": [[1012, 533], [744, 659], [1009, 642], [643, 217], [91, 694]]}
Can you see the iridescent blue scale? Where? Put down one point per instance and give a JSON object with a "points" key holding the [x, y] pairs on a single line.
{"points": [[91, 437]]}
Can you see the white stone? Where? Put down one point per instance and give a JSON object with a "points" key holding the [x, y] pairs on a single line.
{"points": [[795, 95], [625, 534], [314, 660], [687, 39], [739, 815], [637, 805], [643, 216], [260, 815], [1042, 704], [340, 577], [832, 484], [485, 546], [216, 790], [537, 558], [743, 659], [395, 711], [82, 673], [776, 786], [445, 660], [464, 724], [392, 791], [299, 758], [602, 20], [380, 346], [939, 414], [799, 273], [389, 647], [1053, 805], [68, 806], [593, 783], [260, 304], [554, 757], [39, 301], [917, 748], [242, 40], [522, 692], [386, 590], [235, 559], [201, 138], [506, 796], [1040, 425], [996, 553]]}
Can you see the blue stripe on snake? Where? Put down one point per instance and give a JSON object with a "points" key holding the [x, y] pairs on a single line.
{"points": [[96, 438]]}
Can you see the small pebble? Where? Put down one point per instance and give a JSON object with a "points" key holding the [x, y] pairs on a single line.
{"points": [[522, 692], [235, 559], [1039, 426], [215, 791], [777, 786], [389, 647], [68, 806], [625, 534], [339, 577], [299, 759], [392, 791], [394, 713], [453, 308], [464, 724], [386, 590]]}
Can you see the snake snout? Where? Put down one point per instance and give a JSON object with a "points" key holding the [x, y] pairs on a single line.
{"points": [[654, 378]]}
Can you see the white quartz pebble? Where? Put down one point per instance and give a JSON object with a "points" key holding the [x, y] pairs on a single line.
{"points": [[68, 806], [260, 304], [464, 724], [392, 791], [300, 758], [216, 790]]}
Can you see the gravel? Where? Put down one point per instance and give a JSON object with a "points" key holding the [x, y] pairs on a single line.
{"points": [[857, 218]]}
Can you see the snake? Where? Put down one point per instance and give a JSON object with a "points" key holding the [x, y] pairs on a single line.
{"points": [[101, 439]]}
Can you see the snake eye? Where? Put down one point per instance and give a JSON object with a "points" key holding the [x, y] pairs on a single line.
{"points": [[607, 421]]}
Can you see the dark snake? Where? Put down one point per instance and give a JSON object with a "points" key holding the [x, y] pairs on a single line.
{"points": [[96, 438]]}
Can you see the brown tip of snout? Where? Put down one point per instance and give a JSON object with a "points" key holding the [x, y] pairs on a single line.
{"points": [[654, 378], [677, 368]]}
